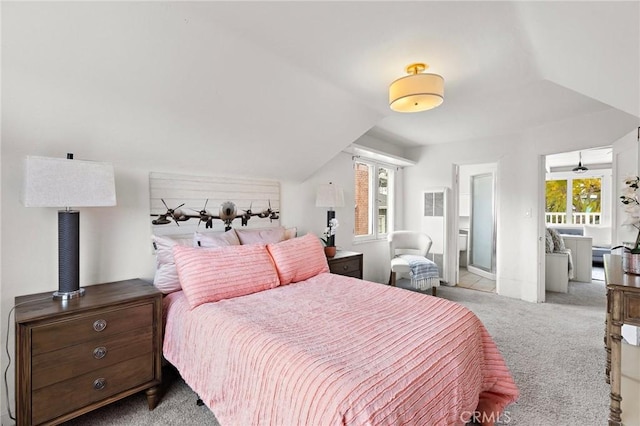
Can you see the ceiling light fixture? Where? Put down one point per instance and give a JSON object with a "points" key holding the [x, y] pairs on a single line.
{"points": [[580, 168], [416, 92]]}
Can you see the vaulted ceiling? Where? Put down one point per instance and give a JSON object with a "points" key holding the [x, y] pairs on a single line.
{"points": [[291, 84]]}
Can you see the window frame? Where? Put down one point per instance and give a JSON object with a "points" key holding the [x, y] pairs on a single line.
{"points": [[374, 201], [569, 213]]}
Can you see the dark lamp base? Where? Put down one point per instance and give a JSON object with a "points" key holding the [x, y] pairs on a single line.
{"points": [[66, 295]]}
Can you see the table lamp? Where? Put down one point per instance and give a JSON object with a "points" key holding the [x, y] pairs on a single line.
{"points": [[331, 196], [67, 183]]}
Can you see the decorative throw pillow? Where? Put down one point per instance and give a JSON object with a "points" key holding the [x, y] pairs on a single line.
{"points": [[224, 239], [261, 236], [558, 242], [548, 242], [213, 274], [298, 259], [290, 233], [166, 276]]}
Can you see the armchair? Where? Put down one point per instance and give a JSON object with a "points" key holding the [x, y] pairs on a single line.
{"points": [[411, 243]]}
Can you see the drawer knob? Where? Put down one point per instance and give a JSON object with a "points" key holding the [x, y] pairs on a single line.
{"points": [[99, 384], [99, 325], [345, 267], [99, 352]]}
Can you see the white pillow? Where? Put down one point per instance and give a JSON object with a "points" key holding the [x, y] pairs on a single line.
{"points": [[166, 277], [290, 233], [229, 238], [261, 236], [600, 235]]}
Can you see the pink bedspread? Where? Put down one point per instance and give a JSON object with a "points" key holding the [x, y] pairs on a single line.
{"points": [[334, 350]]}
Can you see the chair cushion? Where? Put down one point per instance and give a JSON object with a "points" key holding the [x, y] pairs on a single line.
{"points": [[399, 265]]}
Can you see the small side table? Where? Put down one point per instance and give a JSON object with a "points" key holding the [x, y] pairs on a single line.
{"points": [[347, 263], [77, 355]]}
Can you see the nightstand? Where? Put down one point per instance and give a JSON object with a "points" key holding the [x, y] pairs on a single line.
{"points": [[77, 355], [348, 263]]}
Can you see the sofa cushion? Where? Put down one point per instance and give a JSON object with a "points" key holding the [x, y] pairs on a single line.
{"points": [[600, 235], [568, 230]]}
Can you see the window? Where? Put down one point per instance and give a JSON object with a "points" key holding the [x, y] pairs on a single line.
{"points": [[374, 200], [580, 198], [556, 209], [586, 201]]}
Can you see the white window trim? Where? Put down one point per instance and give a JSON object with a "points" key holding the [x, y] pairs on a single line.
{"points": [[373, 182]]}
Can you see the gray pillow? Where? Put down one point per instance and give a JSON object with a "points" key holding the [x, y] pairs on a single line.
{"points": [[548, 248], [558, 242]]}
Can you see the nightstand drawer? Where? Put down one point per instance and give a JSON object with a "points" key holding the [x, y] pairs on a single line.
{"points": [[345, 267], [63, 397], [631, 309], [102, 323], [56, 366]]}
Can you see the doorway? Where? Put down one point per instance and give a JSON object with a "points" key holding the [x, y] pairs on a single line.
{"points": [[477, 226], [579, 202]]}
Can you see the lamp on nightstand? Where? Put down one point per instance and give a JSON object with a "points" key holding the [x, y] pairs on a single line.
{"points": [[331, 196], [58, 182]]}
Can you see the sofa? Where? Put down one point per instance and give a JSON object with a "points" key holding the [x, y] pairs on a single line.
{"points": [[600, 235]]}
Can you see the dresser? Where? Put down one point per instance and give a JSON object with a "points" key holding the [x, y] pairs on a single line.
{"points": [[77, 355], [348, 263], [623, 307]]}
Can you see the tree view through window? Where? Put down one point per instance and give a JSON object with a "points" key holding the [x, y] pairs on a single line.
{"points": [[574, 201]]}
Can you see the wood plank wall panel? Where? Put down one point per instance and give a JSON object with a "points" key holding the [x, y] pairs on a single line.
{"points": [[193, 191]]}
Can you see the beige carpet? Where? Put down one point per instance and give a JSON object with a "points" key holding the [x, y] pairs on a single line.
{"points": [[554, 350]]}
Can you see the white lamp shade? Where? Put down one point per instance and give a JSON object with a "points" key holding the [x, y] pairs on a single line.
{"points": [[417, 92], [59, 182], [329, 195]]}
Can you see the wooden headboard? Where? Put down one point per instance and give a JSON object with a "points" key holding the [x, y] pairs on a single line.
{"points": [[256, 202]]}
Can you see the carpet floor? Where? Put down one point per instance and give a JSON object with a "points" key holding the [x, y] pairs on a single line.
{"points": [[554, 350]]}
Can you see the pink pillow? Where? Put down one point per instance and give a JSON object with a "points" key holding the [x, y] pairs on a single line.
{"points": [[212, 274], [298, 259], [261, 236], [166, 277], [224, 239]]}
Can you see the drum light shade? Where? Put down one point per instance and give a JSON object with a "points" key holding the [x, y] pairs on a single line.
{"points": [[416, 92], [329, 195], [60, 182]]}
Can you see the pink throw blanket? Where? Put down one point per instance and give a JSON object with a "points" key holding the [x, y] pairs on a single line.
{"points": [[334, 350]]}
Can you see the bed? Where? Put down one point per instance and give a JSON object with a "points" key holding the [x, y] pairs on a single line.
{"points": [[328, 349]]}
